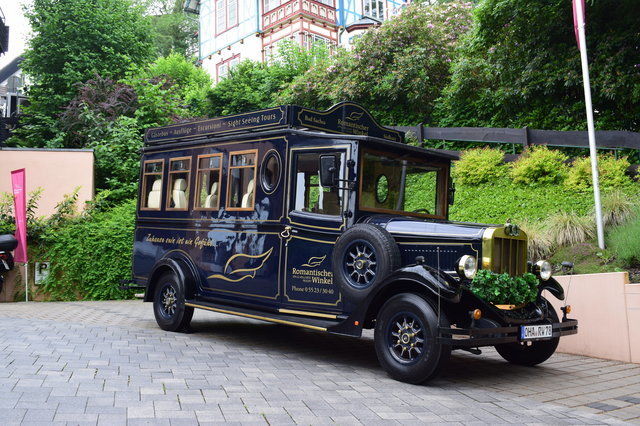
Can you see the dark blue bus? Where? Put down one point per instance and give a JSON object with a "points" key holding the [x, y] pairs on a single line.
{"points": [[329, 221]]}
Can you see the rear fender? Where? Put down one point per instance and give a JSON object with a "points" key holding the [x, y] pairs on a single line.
{"points": [[181, 266]]}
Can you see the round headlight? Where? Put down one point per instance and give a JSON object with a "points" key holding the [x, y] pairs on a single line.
{"points": [[544, 269], [467, 267]]}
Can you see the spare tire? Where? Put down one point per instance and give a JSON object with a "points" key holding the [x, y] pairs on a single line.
{"points": [[362, 257]]}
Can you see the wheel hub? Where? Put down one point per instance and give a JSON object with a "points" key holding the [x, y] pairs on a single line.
{"points": [[361, 264], [406, 338], [169, 301]]}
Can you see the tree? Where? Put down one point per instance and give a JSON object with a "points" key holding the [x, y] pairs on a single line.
{"points": [[174, 31], [520, 66], [396, 71], [255, 85], [73, 40]]}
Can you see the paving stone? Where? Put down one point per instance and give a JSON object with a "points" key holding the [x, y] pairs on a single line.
{"points": [[109, 363]]}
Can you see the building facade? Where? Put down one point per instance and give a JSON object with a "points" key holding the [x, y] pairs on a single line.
{"points": [[235, 30]]}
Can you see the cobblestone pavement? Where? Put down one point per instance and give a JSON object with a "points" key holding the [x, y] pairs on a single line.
{"points": [[108, 363]]}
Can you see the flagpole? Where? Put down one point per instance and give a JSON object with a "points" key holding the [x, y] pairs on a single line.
{"points": [[590, 127]]}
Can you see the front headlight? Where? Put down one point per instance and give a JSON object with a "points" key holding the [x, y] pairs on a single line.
{"points": [[467, 267], [543, 269]]}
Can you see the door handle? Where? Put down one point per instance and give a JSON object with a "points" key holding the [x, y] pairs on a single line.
{"points": [[286, 233]]}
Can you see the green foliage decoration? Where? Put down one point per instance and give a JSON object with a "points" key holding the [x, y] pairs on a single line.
{"points": [[612, 172], [479, 165], [90, 254], [539, 165], [504, 289]]}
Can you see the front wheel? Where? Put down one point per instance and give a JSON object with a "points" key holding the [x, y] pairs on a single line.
{"points": [[169, 304], [530, 355], [406, 339]]}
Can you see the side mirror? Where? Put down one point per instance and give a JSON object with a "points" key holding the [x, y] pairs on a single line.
{"points": [[328, 170], [452, 193]]}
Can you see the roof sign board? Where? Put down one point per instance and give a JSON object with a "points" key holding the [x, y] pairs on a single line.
{"points": [[343, 118]]}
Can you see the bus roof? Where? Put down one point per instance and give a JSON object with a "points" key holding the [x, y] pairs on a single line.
{"points": [[346, 118]]}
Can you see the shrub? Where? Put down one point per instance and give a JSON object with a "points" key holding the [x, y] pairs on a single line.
{"points": [[90, 254], [624, 241], [503, 289], [539, 165], [612, 171], [539, 240], [617, 208], [568, 228], [478, 166]]}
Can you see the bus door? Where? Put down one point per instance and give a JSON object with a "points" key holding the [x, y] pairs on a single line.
{"points": [[315, 221]]}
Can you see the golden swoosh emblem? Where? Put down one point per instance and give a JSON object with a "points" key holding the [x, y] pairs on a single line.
{"points": [[263, 259], [314, 261]]}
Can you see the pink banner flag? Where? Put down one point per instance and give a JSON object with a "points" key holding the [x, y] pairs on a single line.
{"points": [[578, 20], [20, 211]]}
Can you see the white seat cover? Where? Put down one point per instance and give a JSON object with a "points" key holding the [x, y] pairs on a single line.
{"points": [[178, 195], [247, 198], [155, 195], [212, 199]]}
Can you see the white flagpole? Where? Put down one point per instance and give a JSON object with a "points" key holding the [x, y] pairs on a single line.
{"points": [[590, 127]]}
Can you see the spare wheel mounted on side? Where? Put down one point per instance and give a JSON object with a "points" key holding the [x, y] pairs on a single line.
{"points": [[362, 257]]}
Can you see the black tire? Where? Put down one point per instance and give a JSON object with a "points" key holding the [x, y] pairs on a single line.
{"points": [[538, 352], [355, 283], [401, 361], [169, 304]]}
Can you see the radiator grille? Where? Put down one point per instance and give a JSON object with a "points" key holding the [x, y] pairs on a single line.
{"points": [[503, 253]]}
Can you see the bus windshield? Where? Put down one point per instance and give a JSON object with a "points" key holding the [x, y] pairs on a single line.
{"points": [[402, 184]]}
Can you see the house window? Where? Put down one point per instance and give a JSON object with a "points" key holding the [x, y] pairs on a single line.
{"points": [[152, 185], [373, 8], [226, 15], [178, 194], [208, 182], [227, 65], [241, 192], [315, 39], [269, 5]]}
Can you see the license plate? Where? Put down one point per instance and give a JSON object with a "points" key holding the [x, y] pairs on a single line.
{"points": [[531, 332]]}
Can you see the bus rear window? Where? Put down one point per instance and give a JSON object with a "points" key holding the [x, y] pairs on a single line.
{"points": [[152, 185]]}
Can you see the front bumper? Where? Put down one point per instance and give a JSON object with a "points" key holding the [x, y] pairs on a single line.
{"points": [[475, 337]]}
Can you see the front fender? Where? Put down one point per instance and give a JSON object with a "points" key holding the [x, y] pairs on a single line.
{"points": [[553, 287], [414, 278]]}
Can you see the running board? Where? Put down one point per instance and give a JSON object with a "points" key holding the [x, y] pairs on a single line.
{"points": [[321, 324]]}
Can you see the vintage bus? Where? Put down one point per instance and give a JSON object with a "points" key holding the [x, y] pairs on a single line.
{"points": [[329, 221]]}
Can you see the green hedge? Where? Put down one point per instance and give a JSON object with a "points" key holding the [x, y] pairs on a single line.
{"points": [[501, 200], [90, 254]]}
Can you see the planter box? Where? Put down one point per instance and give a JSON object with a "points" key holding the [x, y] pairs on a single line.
{"points": [[608, 310]]}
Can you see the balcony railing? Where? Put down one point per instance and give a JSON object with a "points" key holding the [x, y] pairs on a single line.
{"points": [[311, 8]]}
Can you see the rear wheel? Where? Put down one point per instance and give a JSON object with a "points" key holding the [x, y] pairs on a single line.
{"points": [[405, 339], [535, 353], [169, 304]]}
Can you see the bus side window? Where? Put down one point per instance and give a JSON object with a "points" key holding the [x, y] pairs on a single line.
{"points": [[179, 173], [152, 185], [241, 192], [208, 182]]}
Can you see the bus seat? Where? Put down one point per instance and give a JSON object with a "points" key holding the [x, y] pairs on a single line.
{"points": [[153, 200], [211, 200], [178, 195], [246, 198]]}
